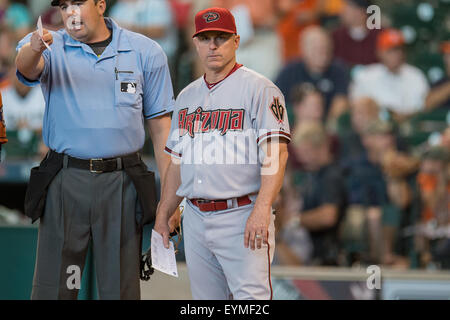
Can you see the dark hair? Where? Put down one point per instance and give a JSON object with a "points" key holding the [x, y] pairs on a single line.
{"points": [[300, 92], [437, 153], [57, 2], [363, 4]]}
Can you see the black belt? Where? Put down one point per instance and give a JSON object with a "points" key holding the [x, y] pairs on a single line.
{"points": [[100, 165]]}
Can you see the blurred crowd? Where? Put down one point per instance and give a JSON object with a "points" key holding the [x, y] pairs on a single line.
{"points": [[368, 179]]}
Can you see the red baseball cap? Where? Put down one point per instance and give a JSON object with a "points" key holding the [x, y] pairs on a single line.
{"points": [[390, 38], [214, 19]]}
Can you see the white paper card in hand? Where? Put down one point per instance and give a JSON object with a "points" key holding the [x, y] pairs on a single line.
{"points": [[163, 259], [41, 32]]}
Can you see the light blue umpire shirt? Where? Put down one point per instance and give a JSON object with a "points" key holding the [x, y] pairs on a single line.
{"points": [[96, 106]]}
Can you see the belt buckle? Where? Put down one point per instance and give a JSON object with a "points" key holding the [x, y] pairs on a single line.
{"points": [[91, 164]]}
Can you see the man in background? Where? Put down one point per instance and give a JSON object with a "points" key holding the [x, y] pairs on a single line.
{"points": [[394, 84], [354, 43], [319, 189], [318, 68]]}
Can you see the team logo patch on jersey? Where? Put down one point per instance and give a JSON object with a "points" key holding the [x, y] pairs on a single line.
{"points": [[200, 121], [277, 110], [211, 17]]}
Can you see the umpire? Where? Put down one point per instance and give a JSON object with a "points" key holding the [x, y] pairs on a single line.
{"points": [[100, 83]]}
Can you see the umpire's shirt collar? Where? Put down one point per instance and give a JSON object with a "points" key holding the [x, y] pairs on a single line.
{"points": [[118, 43]]}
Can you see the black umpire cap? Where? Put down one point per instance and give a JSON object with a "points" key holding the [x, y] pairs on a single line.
{"points": [[55, 3]]}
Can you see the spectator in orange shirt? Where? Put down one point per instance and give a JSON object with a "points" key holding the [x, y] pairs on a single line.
{"points": [[432, 236], [434, 184], [295, 16], [7, 54]]}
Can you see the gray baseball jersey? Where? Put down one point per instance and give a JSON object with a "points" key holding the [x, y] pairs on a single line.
{"points": [[216, 134]]}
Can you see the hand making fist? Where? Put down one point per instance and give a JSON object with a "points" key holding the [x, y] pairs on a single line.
{"points": [[37, 43]]}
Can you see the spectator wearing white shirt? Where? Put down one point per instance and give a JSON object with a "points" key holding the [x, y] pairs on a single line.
{"points": [[394, 85], [24, 114], [25, 106]]}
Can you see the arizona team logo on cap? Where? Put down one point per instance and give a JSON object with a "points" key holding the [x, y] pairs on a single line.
{"points": [[277, 109], [211, 16], [214, 19]]}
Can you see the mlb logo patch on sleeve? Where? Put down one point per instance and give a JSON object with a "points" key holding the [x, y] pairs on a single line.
{"points": [[128, 87]]}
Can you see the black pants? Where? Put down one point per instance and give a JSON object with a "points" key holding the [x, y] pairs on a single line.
{"points": [[82, 206]]}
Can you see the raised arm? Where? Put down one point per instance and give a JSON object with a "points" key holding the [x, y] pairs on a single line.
{"points": [[438, 96], [29, 60]]}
